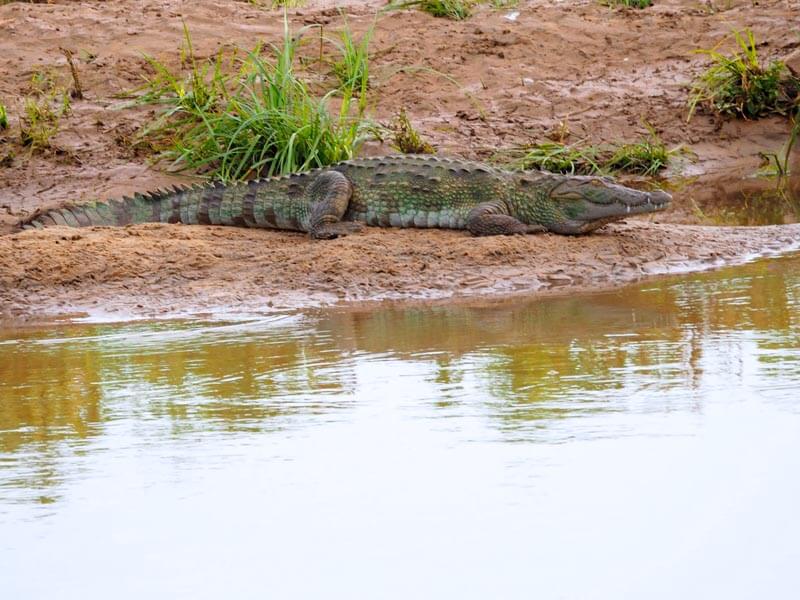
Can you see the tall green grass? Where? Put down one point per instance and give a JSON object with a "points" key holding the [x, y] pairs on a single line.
{"points": [[256, 119], [3, 117], [740, 84], [352, 70]]}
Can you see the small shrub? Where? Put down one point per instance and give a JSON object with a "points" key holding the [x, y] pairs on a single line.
{"points": [[3, 117], [739, 85], [406, 139]]}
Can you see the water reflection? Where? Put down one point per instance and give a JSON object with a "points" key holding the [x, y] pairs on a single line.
{"points": [[528, 370], [755, 201]]}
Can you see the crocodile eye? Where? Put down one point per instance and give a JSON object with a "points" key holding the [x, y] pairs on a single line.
{"points": [[598, 182]]}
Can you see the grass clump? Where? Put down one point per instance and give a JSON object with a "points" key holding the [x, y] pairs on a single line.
{"points": [[43, 109], [503, 4], [645, 157], [3, 117], [740, 85], [277, 3], [260, 120], [456, 10], [558, 157], [352, 70], [630, 3], [39, 124], [407, 139]]}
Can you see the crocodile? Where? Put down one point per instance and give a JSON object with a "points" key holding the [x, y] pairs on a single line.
{"points": [[391, 191]]}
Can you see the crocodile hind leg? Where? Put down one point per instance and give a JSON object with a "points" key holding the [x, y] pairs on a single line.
{"points": [[328, 196], [492, 218]]}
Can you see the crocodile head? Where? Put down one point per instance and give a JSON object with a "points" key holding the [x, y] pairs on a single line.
{"points": [[580, 204]]}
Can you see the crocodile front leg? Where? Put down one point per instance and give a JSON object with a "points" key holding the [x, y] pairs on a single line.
{"points": [[328, 196], [492, 218]]}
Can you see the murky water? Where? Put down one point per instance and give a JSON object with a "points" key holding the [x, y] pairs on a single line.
{"points": [[756, 201], [643, 443]]}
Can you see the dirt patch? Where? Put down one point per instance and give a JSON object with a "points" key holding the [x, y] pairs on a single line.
{"points": [[602, 71], [173, 270]]}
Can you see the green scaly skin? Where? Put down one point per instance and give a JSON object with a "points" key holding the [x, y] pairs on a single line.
{"points": [[394, 191]]}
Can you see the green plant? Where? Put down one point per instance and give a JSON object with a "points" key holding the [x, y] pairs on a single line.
{"points": [[503, 4], [406, 139], [629, 3], [259, 120], [778, 162], [3, 117], [39, 124], [740, 85], [645, 157], [457, 10], [43, 108], [42, 82], [276, 3], [558, 157], [353, 69]]}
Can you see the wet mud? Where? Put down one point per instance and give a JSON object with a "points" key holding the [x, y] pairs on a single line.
{"points": [[156, 270]]}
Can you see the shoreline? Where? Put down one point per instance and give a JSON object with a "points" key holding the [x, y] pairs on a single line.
{"points": [[157, 271]]}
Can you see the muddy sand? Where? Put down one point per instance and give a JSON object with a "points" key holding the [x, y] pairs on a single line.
{"points": [[173, 270], [603, 72]]}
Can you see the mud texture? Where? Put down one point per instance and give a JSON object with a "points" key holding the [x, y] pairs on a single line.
{"points": [[173, 270], [601, 71]]}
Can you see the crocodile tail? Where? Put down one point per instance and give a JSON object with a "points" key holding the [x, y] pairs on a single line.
{"points": [[189, 205]]}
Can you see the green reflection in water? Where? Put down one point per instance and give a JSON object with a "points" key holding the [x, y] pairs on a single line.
{"points": [[524, 366]]}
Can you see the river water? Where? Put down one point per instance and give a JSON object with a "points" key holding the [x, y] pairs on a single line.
{"points": [[640, 443]]}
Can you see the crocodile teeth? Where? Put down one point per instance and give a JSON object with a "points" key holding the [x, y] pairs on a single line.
{"points": [[628, 208]]}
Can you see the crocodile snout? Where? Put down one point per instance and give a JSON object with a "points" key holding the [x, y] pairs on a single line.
{"points": [[659, 198]]}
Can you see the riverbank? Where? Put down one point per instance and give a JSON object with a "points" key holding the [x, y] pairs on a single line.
{"points": [[472, 88], [159, 271]]}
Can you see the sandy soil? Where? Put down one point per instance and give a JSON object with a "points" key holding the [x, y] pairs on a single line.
{"points": [[601, 71], [173, 270]]}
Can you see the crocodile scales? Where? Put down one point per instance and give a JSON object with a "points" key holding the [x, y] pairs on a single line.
{"points": [[391, 191]]}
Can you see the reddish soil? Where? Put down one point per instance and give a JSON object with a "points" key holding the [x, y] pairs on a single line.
{"points": [[601, 71]]}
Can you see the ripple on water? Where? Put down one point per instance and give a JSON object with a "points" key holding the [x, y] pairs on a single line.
{"points": [[411, 440]]}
